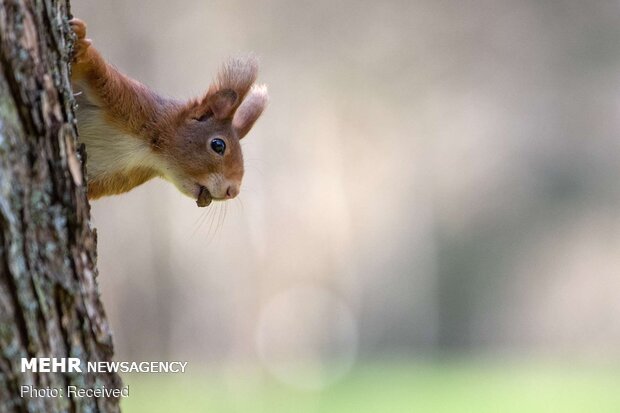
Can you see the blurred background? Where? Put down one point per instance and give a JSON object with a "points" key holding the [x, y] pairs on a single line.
{"points": [[429, 220]]}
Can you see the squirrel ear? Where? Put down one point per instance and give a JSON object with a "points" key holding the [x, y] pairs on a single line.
{"points": [[250, 109], [222, 103], [231, 85]]}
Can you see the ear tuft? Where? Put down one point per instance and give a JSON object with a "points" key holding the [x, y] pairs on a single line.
{"points": [[238, 74], [231, 85], [250, 110]]}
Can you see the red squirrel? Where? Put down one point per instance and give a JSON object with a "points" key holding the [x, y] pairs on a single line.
{"points": [[133, 134]]}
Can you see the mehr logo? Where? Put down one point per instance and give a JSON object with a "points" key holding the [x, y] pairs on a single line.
{"points": [[74, 365], [51, 365]]}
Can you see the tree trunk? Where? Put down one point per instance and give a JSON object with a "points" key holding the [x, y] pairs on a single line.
{"points": [[49, 298]]}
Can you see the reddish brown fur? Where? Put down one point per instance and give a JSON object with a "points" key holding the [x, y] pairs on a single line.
{"points": [[177, 132], [119, 183]]}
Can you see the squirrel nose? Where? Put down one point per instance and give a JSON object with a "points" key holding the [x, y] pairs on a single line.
{"points": [[232, 191]]}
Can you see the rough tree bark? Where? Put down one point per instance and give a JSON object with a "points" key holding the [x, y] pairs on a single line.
{"points": [[49, 299]]}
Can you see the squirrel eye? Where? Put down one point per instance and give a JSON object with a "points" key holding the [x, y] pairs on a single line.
{"points": [[218, 146]]}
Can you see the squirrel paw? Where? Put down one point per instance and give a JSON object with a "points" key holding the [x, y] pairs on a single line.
{"points": [[82, 43]]}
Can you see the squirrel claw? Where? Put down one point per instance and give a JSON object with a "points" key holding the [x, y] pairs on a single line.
{"points": [[79, 27], [82, 43]]}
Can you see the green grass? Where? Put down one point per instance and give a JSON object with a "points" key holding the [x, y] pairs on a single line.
{"points": [[390, 388]]}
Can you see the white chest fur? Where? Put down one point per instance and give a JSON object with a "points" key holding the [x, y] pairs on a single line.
{"points": [[108, 149]]}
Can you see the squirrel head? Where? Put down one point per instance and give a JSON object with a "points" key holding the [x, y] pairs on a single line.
{"points": [[204, 157]]}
